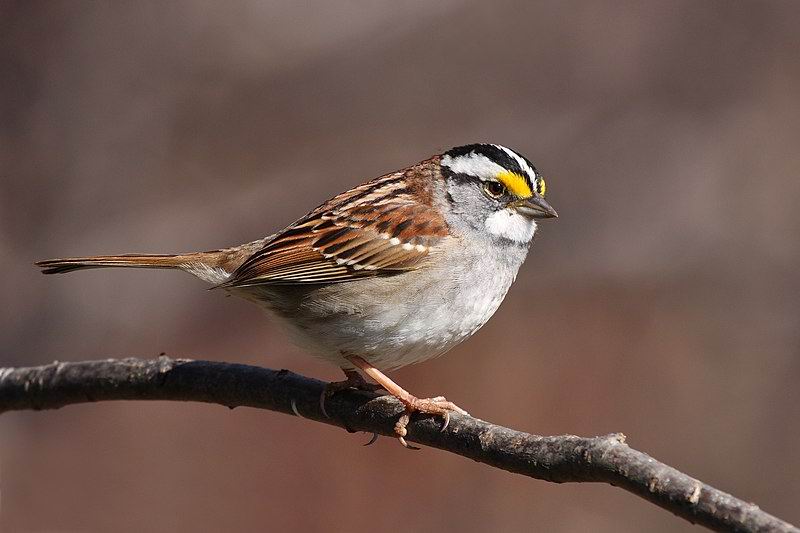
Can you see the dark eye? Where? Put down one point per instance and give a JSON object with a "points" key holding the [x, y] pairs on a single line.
{"points": [[494, 189]]}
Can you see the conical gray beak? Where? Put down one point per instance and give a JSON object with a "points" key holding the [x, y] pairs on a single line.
{"points": [[535, 207]]}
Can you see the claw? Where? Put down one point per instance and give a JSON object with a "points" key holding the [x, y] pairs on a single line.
{"points": [[446, 421], [372, 440], [294, 409], [401, 432], [406, 445], [322, 398]]}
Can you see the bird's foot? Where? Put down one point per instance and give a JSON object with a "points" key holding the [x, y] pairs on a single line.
{"points": [[432, 406], [353, 381]]}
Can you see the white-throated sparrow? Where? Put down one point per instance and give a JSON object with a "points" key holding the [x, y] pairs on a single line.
{"points": [[392, 272]]}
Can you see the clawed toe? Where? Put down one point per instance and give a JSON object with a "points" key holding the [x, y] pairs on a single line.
{"points": [[432, 406], [401, 431], [437, 405]]}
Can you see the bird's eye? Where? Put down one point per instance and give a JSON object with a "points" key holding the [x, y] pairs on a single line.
{"points": [[494, 189], [541, 186]]}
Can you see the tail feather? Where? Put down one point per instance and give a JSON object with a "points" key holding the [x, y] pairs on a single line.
{"points": [[211, 267], [214, 266], [60, 266]]}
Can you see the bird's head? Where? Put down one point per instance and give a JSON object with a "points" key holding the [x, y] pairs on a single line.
{"points": [[495, 189]]}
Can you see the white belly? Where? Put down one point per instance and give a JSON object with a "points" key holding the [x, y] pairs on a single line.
{"points": [[393, 321]]}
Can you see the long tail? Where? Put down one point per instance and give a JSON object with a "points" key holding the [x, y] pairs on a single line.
{"points": [[214, 266], [60, 266]]}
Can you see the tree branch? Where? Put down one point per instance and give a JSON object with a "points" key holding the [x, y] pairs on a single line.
{"points": [[559, 459]]}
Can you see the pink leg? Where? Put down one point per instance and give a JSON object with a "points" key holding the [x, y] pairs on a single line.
{"points": [[434, 406]]}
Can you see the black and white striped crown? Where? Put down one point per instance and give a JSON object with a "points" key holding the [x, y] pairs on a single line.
{"points": [[488, 160]]}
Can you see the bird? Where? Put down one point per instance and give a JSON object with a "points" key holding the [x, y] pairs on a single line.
{"points": [[392, 272]]}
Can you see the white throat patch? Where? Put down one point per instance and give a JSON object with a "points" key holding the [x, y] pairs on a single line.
{"points": [[509, 224]]}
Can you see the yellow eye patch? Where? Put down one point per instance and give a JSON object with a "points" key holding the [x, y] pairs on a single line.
{"points": [[541, 187], [515, 183]]}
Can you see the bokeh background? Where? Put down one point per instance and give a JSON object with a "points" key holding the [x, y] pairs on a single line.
{"points": [[664, 303]]}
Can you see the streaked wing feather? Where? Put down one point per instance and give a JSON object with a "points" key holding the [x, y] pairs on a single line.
{"points": [[375, 229]]}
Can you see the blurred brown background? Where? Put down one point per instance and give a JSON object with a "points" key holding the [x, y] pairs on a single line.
{"points": [[664, 303]]}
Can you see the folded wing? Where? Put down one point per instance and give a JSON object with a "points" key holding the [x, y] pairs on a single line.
{"points": [[376, 229]]}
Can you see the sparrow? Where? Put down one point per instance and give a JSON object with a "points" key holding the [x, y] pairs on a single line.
{"points": [[390, 273]]}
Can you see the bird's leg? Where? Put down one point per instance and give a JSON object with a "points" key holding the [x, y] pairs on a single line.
{"points": [[353, 381], [434, 406]]}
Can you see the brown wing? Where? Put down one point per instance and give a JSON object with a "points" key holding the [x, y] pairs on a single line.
{"points": [[379, 228]]}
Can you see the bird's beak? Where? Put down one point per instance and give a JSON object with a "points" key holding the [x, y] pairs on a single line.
{"points": [[534, 207]]}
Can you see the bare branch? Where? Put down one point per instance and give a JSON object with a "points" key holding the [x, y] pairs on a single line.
{"points": [[559, 459]]}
